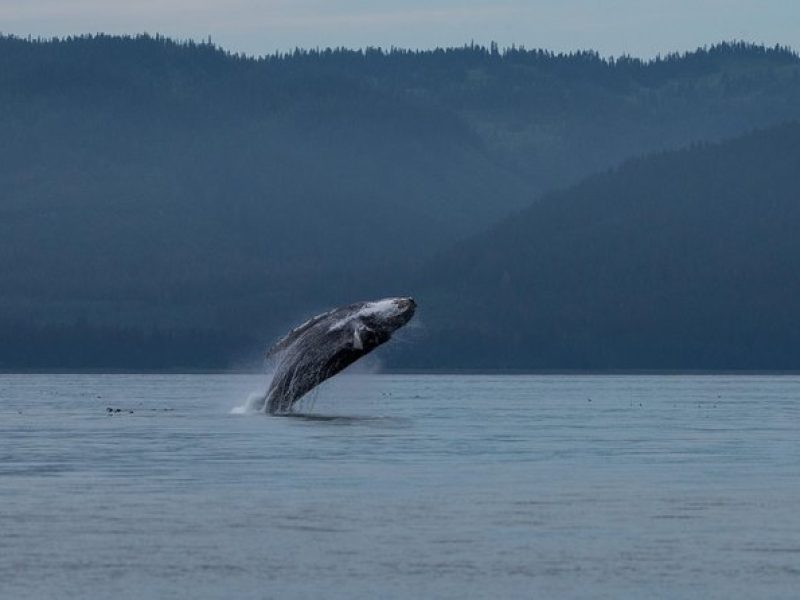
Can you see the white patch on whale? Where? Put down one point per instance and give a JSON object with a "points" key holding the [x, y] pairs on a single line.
{"points": [[384, 308], [357, 343]]}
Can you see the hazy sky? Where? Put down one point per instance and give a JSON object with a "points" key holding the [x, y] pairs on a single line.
{"points": [[637, 27]]}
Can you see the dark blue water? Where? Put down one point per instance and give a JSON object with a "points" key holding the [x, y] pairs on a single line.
{"points": [[401, 486]]}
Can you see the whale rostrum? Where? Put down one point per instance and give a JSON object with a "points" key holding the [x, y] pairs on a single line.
{"points": [[324, 345]]}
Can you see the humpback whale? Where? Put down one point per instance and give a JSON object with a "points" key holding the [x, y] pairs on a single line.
{"points": [[326, 344]]}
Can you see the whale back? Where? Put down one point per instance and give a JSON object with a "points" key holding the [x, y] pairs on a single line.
{"points": [[295, 334]]}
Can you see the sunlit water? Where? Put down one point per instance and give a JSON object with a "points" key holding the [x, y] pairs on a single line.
{"points": [[423, 486]]}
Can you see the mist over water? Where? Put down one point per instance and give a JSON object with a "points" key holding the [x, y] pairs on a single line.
{"points": [[400, 486]]}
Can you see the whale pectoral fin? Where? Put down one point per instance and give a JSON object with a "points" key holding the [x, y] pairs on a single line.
{"points": [[359, 330], [357, 343]]}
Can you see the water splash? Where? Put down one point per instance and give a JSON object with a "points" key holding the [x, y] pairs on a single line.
{"points": [[256, 401], [254, 404]]}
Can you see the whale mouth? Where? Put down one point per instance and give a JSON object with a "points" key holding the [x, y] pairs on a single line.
{"points": [[395, 312], [405, 304]]}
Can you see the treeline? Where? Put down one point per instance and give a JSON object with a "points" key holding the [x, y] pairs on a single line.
{"points": [[468, 53]]}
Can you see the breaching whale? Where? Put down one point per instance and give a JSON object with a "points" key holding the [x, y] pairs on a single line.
{"points": [[324, 345]]}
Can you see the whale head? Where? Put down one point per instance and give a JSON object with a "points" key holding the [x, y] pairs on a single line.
{"points": [[389, 314], [373, 323]]}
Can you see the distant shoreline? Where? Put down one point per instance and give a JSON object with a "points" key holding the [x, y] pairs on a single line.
{"points": [[465, 372]]}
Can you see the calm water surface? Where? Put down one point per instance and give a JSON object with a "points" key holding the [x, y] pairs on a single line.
{"points": [[420, 486]]}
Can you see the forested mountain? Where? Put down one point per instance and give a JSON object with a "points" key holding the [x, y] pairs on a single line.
{"points": [[170, 204], [683, 260]]}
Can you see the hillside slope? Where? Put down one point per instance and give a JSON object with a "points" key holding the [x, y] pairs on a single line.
{"points": [[683, 260], [151, 190]]}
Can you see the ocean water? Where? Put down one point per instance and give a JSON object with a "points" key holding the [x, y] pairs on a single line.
{"points": [[401, 487]]}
